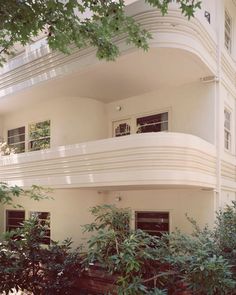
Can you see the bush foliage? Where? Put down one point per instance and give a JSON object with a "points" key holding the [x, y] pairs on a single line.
{"points": [[27, 265], [202, 263]]}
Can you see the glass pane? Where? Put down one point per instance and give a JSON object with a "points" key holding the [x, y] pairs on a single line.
{"points": [[19, 147], [153, 123], [39, 130], [154, 223], [151, 214], [39, 144], [14, 219], [16, 214], [121, 127], [16, 139], [16, 131], [39, 135], [44, 220]]}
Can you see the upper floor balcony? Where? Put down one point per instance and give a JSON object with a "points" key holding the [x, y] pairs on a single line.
{"points": [[141, 160], [182, 51]]}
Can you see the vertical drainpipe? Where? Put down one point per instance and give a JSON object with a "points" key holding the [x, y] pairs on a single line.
{"points": [[218, 106]]}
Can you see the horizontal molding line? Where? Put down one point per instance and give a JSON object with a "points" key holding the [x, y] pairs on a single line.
{"points": [[42, 62], [107, 157]]}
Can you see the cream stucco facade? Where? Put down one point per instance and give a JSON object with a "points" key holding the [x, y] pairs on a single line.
{"points": [[188, 73]]}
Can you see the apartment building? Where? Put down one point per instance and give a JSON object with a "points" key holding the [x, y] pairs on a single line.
{"points": [[152, 131]]}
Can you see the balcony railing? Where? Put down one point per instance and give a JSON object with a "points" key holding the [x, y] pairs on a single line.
{"points": [[135, 160]]}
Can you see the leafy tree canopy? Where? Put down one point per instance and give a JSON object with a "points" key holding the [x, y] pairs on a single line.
{"points": [[80, 23]]}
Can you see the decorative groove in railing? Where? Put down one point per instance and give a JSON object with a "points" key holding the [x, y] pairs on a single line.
{"points": [[228, 170], [142, 159], [229, 69]]}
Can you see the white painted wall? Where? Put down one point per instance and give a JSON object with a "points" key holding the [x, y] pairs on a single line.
{"points": [[210, 6], [1, 127], [191, 108], [196, 203], [69, 210], [73, 119], [227, 197]]}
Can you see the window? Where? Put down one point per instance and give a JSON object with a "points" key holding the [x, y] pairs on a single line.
{"points": [[16, 139], [121, 128], [153, 123], [228, 31], [14, 219], [44, 220], [227, 129], [39, 136], [153, 222]]}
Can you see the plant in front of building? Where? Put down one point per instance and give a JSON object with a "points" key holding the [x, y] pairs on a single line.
{"points": [[6, 149], [225, 234], [132, 256], [29, 266], [177, 262], [10, 193], [198, 263]]}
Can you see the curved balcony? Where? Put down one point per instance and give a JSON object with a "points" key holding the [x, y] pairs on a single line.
{"points": [[191, 43], [147, 160]]}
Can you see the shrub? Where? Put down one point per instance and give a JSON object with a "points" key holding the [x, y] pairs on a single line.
{"points": [[201, 262], [26, 264], [131, 254]]}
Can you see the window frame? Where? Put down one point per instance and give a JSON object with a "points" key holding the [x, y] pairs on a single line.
{"points": [[228, 31], [47, 239], [117, 123], [227, 130], [15, 144], [136, 212], [132, 118], [29, 140], [150, 115], [7, 226]]}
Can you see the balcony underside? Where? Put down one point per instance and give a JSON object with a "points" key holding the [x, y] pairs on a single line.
{"points": [[132, 74], [143, 160], [181, 52]]}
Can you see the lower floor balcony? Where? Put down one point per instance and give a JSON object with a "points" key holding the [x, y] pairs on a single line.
{"points": [[155, 160]]}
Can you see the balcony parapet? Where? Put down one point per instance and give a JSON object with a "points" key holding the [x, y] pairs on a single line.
{"points": [[151, 159], [176, 31], [173, 30]]}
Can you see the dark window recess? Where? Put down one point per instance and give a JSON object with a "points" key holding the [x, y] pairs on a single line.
{"points": [[207, 16], [16, 139], [154, 223], [14, 219], [153, 123], [44, 220], [122, 129]]}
